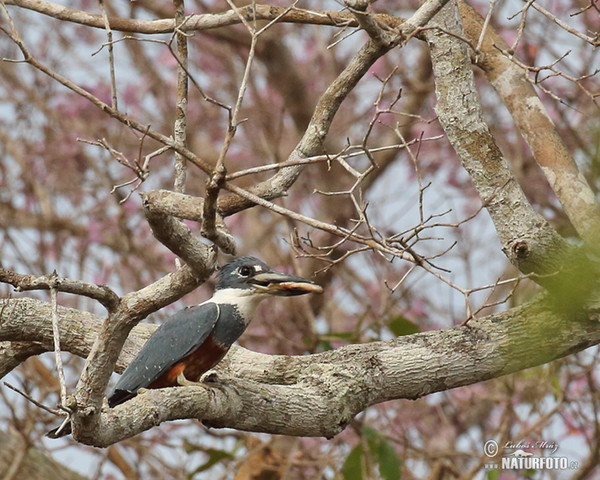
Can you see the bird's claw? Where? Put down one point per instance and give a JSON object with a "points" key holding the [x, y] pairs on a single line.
{"points": [[184, 382], [210, 376]]}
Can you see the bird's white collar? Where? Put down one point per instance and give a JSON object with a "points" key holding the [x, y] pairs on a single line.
{"points": [[245, 301]]}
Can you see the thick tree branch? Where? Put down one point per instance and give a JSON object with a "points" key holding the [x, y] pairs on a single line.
{"points": [[527, 239], [12, 354], [317, 395], [518, 94], [178, 238]]}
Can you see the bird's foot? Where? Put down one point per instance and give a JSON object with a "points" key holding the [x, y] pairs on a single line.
{"points": [[209, 377], [184, 382]]}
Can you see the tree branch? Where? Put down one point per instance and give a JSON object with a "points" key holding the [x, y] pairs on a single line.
{"points": [[103, 356], [180, 126], [518, 94], [23, 282], [12, 354], [178, 238], [317, 395], [527, 239], [195, 22]]}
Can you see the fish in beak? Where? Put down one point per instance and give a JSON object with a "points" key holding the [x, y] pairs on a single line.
{"points": [[283, 285]]}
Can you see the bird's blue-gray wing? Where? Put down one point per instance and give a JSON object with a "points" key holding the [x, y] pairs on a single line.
{"points": [[178, 336]]}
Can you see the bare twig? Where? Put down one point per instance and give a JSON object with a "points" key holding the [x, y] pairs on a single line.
{"points": [[538, 81], [126, 120], [209, 224], [594, 41], [56, 338], [488, 17], [214, 184], [522, 24], [101, 293], [111, 56], [34, 401], [212, 228], [349, 151], [140, 168], [593, 4]]}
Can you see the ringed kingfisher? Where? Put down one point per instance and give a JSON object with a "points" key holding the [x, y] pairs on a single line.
{"points": [[195, 339]]}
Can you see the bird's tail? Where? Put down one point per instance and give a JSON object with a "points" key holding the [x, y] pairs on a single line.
{"points": [[61, 431]]}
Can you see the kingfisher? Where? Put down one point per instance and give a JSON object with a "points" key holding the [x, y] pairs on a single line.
{"points": [[195, 339]]}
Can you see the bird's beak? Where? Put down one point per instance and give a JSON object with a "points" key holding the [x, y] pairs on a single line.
{"points": [[280, 284]]}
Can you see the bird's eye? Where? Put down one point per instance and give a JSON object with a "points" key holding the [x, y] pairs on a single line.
{"points": [[246, 271]]}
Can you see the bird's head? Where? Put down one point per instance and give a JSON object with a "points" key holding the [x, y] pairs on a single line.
{"points": [[255, 277]]}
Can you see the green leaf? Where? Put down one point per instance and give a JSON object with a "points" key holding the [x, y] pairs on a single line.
{"points": [[389, 463], [338, 336], [556, 386], [352, 468], [324, 346], [214, 456], [401, 326], [373, 437], [383, 453], [493, 474]]}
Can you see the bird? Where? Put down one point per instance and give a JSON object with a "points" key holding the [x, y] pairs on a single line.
{"points": [[195, 339]]}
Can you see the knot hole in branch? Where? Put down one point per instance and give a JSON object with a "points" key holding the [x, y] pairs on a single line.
{"points": [[521, 250]]}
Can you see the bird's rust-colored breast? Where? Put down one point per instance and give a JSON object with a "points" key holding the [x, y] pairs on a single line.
{"points": [[193, 365]]}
